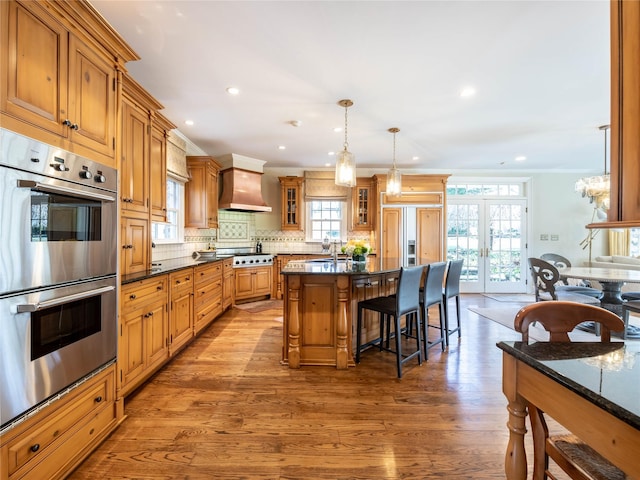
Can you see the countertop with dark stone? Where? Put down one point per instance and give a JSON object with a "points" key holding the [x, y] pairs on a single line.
{"points": [[167, 266], [606, 374]]}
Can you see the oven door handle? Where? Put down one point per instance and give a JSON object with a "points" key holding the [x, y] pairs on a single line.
{"points": [[43, 187], [54, 302]]}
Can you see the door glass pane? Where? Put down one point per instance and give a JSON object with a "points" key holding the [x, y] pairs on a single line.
{"points": [[462, 238], [505, 242]]}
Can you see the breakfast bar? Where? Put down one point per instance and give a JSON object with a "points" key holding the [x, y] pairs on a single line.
{"points": [[320, 305]]}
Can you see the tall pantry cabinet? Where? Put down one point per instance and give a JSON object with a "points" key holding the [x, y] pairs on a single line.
{"points": [[143, 179]]}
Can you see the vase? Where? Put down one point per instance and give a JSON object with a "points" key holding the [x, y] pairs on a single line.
{"points": [[359, 258]]}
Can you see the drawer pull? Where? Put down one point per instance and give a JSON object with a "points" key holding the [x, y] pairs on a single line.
{"points": [[98, 399], [177, 282], [159, 287], [34, 448], [132, 296]]}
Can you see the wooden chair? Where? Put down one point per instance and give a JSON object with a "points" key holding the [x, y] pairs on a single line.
{"points": [[576, 459], [547, 285], [559, 261], [405, 302]]}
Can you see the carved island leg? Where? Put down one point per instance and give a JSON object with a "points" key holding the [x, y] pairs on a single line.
{"points": [[293, 285], [515, 461], [342, 350]]}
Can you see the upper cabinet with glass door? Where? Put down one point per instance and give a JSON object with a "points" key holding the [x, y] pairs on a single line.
{"points": [[291, 201], [363, 205]]}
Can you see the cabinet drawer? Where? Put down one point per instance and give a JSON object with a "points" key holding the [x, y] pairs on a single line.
{"points": [[75, 447], [207, 273], [207, 312], [205, 293], [182, 280], [140, 293], [44, 436]]}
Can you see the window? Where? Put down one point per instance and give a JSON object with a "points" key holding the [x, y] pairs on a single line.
{"points": [[173, 230], [326, 219]]}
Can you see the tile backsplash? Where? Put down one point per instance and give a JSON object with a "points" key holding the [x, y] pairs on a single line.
{"points": [[237, 229]]}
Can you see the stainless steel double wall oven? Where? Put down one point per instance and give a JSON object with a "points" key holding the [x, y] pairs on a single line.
{"points": [[58, 261]]}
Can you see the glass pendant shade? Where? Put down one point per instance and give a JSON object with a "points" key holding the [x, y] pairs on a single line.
{"points": [[394, 177], [346, 161], [597, 189], [394, 182], [346, 169]]}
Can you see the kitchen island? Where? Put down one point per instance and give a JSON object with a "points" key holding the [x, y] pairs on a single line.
{"points": [[320, 309]]}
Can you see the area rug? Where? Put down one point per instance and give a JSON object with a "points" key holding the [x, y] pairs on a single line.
{"points": [[505, 315], [260, 306]]}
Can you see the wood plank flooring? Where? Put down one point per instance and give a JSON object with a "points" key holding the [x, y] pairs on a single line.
{"points": [[226, 409]]}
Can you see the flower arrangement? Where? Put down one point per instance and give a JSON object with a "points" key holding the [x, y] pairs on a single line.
{"points": [[356, 248]]}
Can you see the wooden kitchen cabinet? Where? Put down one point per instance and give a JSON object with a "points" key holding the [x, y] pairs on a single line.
{"points": [[207, 302], [391, 237], [54, 441], [181, 318], [201, 193], [135, 245], [70, 101], [252, 282], [160, 128], [430, 235], [144, 340], [363, 205], [228, 283], [143, 159], [291, 202]]}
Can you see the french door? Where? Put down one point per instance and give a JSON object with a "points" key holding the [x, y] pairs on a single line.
{"points": [[490, 235]]}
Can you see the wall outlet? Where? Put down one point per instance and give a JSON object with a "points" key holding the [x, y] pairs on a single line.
{"points": [[544, 236]]}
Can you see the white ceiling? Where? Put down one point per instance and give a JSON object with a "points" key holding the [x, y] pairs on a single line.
{"points": [[540, 69]]}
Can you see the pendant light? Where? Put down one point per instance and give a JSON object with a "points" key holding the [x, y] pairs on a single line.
{"points": [[394, 178], [346, 161], [597, 189]]}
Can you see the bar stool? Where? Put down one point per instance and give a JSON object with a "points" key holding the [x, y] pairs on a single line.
{"points": [[452, 290], [431, 295], [406, 301]]}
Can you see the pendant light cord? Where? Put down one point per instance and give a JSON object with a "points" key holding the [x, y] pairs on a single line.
{"points": [[346, 145]]}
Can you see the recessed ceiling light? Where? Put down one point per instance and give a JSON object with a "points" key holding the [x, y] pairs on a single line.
{"points": [[281, 147], [415, 158], [296, 123], [520, 158], [233, 90], [467, 92], [337, 129], [332, 153], [188, 122], [327, 164]]}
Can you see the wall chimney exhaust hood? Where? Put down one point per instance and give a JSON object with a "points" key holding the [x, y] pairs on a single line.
{"points": [[241, 184]]}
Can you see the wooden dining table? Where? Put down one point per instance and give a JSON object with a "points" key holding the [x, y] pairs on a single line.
{"points": [[591, 389]]}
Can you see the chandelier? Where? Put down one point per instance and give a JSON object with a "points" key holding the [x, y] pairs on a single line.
{"points": [[346, 161], [394, 178], [597, 188]]}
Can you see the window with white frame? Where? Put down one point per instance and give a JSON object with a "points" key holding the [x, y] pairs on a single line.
{"points": [[326, 219], [173, 230]]}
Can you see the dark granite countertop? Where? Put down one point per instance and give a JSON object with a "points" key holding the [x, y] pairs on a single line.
{"points": [[167, 266], [606, 374], [329, 267]]}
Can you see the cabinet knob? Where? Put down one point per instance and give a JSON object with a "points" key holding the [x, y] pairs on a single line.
{"points": [[98, 399], [34, 448], [159, 287], [132, 296]]}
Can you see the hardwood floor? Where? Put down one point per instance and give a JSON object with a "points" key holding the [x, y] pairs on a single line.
{"points": [[226, 409]]}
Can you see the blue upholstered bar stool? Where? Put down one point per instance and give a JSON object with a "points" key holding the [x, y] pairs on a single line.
{"points": [[431, 295], [405, 302]]}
